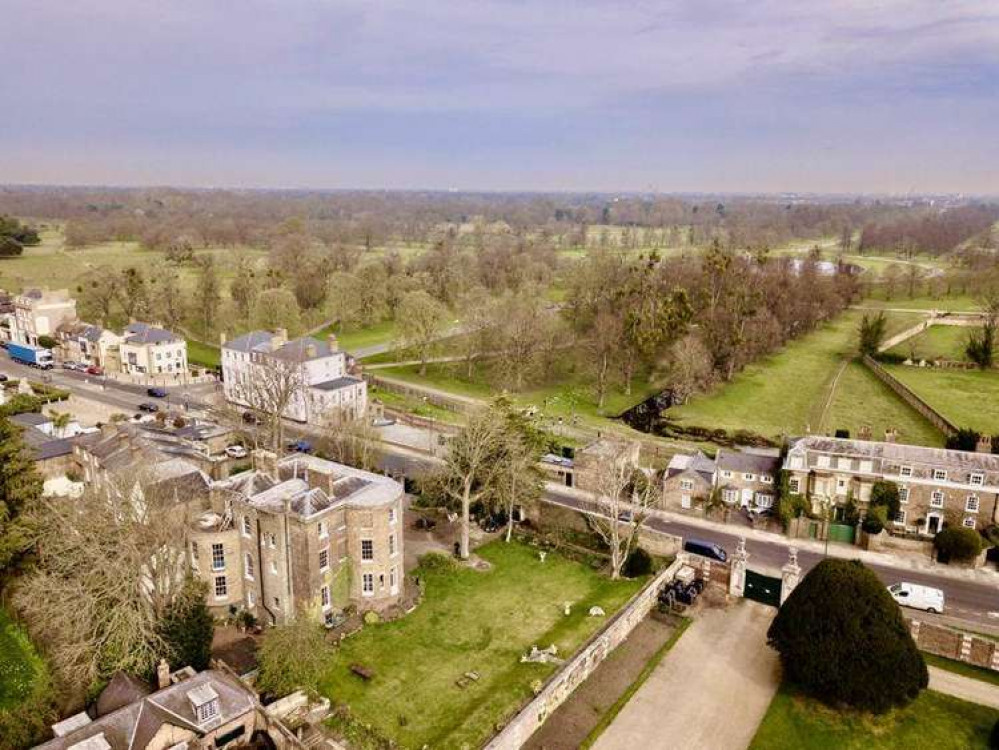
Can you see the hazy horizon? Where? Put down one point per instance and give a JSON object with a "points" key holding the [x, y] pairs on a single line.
{"points": [[717, 97]]}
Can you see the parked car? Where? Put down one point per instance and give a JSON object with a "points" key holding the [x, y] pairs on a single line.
{"points": [[149, 407], [918, 597], [156, 392], [626, 516], [236, 451], [300, 446], [250, 418], [70, 365], [3, 378], [94, 370], [705, 549]]}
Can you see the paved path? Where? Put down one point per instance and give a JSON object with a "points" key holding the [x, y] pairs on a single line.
{"points": [[965, 688], [710, 692]]}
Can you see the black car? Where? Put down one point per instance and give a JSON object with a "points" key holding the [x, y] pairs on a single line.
{"points": [[705, 549], [156, 392], [149, 407], [250, 418], [3, 378]]}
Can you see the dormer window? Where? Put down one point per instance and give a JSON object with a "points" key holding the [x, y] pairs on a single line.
{"points": [[977, 479], [940, 475], [905, 471], [205, 702]]}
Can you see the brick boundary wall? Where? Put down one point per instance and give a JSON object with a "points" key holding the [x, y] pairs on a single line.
{"points": [[955, 644], [938, 420], [572, 674]]}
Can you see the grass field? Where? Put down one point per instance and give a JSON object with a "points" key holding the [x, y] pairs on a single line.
{"points": [[203, 354], [20, 664], [781, 394], [353, 339], [861, 399], [936, 342], [471, 620], [932, 722], [955, 303], [969, 398]]}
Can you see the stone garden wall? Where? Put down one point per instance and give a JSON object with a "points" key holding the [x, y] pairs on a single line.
{"points": [[955, 644], [903, 391], [581, 665]]}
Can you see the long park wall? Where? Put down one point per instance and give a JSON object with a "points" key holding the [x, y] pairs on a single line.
{"points": [[903, 391], [955, 644], [572, 674]]}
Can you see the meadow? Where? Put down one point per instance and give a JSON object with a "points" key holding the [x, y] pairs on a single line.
{"points": [[969, 398]]}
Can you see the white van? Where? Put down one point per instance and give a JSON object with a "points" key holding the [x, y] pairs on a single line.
{"points": [[918, 597]]}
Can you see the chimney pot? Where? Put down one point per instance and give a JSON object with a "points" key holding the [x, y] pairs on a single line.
{"points": [[163, 674], [333, 343]]}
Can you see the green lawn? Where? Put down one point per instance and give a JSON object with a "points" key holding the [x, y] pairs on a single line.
{"points": [[936, 342], [861, 399], [955, 302], [932, 722], [969, 398], [352, 339], [414, 405], [203, 354], [470, 620], [20, 664]]}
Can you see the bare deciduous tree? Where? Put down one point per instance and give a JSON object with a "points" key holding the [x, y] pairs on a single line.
{"points": [[270, 389], [420, 321]]}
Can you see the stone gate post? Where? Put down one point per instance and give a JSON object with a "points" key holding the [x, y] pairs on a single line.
{"points": [[790, 574], [737, 570]]}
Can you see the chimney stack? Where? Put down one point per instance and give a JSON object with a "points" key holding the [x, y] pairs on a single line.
{"points": [[310, 351], [280, 337], [865, 432], [222, 338], [891, 435], [984, 444], [163, 674], [333, 343]]}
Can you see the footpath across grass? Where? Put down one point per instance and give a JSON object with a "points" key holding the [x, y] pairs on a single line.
{"points": [[932, 722], [962, 668], [471, 620], [937, 342]]}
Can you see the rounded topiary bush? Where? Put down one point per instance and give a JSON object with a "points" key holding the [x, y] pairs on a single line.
{"points": [[843, 640], [875, 520], [957, 543], [638, 564]]}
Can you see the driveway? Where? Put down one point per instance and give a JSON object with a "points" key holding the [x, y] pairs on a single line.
{"points": [[710, 692]]}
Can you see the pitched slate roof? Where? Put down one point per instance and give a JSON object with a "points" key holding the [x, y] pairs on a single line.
{"points": [[134, 725], [143, 333], [901, 453], [297, 350], [121, 691], [337, 383], [752, 463], [254, 341], [697, 462]]}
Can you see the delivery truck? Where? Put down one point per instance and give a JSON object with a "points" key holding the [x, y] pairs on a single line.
{"points": [[26, 354]]}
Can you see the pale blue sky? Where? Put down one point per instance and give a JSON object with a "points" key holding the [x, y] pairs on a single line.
{"points": [[694, 95]]}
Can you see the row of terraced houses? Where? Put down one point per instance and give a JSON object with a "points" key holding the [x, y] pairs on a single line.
{"points": [[935, 485]]}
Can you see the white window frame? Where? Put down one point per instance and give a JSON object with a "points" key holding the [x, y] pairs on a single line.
{"points": [[324, 559], [748, 477], [324, 529], [977, 479], [905, 471], [325, 598], [247, 527], [903, 495], [767, 478], [727, 474], [393, 550], [367, 556], [273, 567], [224, 587], [899, 519], [686, 484], [248, 566], [969, 522], [794, 485], [251, 599], [936, 499], [764, 500], [391, 515], [686, 501], [367, 584], [730, 496], [968, 504], [218, 554], [940, 475], [393, 580]]}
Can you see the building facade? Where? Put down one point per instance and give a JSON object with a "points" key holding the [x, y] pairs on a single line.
{"points": [[739, 479], [88, 344], [301, 534], [39, 313], [935, 485], [306, 379], [149, 350]]}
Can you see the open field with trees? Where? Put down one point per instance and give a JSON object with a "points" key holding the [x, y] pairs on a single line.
{"points": [[470, 620], [936, 342], [932, 722]]}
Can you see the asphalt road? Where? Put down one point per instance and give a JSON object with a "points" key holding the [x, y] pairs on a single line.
{"points": [[969, 600]]}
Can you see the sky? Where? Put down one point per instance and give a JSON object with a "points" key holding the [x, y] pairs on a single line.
{"points": [[849, 96]]}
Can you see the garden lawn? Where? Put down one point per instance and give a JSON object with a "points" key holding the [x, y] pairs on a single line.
{"points": [[969, 398], [20, 664], [861, 399], [470, 620], [955, 302], [351, 339], [936, 342], [202, 354], [932, 722]]}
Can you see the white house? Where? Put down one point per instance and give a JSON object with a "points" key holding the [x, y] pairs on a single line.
{"points": [[149, 350], [313, 374]]}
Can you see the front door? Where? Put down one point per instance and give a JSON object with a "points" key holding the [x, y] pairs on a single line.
{"points": [[747, 498], [932, 524]]}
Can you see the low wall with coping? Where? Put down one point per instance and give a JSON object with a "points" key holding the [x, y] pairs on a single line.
{"points": [[955, 644], [559, 686]]}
